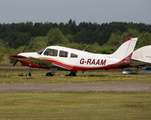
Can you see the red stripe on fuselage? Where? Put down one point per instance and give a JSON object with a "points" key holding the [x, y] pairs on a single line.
{"points": [[71, 67], [127, 59], [76, 68]]}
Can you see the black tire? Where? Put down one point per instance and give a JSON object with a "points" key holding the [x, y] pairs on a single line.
{"points": [[49, 74], [72, 74], [28, 74]]}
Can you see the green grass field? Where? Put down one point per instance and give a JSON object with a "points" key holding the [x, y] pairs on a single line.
{"points": [[86, 105], [75, 105], [38, 76]]}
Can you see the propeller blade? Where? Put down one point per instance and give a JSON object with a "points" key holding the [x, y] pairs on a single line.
{"points": [[15, 62], [24, 49]]}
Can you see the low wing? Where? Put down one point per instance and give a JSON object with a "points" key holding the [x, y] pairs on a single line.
{"points": [[131, 63], [42, 63], [137, 63]]}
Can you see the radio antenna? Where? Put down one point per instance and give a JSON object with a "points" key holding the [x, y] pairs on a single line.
{"points": [[86, 47]]}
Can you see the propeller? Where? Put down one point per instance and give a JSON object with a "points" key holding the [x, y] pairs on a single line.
{"points": [[17, 59], [15, 62], [24, 49]]}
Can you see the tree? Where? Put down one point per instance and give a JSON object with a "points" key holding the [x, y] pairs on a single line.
{"points": [[70, 38], [55, 37], [2, 51], [37, 43], [114, 40], [144, 39], [81, 36]]}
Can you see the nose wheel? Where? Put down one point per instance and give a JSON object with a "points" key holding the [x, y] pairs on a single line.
{"points": [[28, 74]]}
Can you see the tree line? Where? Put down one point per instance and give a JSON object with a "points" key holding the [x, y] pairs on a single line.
{"points": [[18, 34], [104, 38]]}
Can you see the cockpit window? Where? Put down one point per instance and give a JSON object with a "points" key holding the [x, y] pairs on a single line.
{"points": [[63, 54], [73, 55], [40, 51], [51, 52]]}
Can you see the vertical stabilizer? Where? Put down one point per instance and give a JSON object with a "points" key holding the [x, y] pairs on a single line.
{"points": [[124, 52]]}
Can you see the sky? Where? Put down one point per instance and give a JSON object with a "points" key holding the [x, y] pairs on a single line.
{"points": [[57, 11]]}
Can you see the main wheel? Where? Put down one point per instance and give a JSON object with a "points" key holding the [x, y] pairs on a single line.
{"points": [[49, 74], [72, 74]]}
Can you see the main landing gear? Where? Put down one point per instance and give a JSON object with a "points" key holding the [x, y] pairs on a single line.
{"points": [[49, 74], [52, 71], [72, 73]]}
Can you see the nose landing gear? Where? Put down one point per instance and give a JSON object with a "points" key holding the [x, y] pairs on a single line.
{"points": [[29, 73]]}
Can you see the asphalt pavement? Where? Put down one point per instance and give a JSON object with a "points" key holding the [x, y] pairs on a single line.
{"points": [[76, 87]]}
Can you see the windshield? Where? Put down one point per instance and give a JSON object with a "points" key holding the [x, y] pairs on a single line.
{"points": [[40, 51]]}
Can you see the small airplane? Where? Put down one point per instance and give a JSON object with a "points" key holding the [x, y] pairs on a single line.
{"points": [[141, 59], [58, 57]]}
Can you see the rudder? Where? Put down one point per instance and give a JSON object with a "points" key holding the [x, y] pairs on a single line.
{"points": [[124, 52]]}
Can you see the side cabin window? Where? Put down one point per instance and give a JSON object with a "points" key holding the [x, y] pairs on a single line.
{"points": [[73, 55], [51, 52], [63, 54]]}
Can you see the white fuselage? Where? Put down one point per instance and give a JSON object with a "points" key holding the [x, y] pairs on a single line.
{"points": [[73, 59], [83, 59]]}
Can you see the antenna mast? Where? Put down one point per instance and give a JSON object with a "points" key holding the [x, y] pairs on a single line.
{"points": [[86, 47]]}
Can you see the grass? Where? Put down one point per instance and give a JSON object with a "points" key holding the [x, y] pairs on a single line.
{"points": [[88, 105], [75, 105], [38, 76]]}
